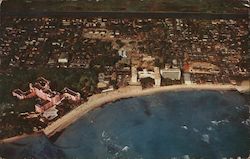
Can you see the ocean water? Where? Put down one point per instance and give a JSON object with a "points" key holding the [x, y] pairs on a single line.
{"points": [[206, 124]]}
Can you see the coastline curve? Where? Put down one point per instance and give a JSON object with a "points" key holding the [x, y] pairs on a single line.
{"points": [[99, 100]]}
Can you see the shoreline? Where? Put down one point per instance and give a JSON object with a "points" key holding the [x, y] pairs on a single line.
{"points": [[99, 100]]}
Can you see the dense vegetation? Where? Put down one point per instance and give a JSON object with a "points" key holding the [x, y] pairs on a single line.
{"points": [[11, 123], [77, 79]]}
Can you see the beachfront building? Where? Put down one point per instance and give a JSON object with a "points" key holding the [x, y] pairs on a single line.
{"points": [[111, 88], [71, 95], [43, 106], [157, 77], [145, 74], [48, 98], [187, 78], [134, 75], [171, 73], [51, 113], [102, 83], [137, 75]]}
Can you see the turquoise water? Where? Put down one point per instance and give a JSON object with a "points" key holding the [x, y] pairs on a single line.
{"points": [[196, 123]]}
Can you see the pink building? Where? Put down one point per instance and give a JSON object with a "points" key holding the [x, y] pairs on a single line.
{"points": [[45, 94], [43, 83], [49, 98], [23, 95], [72, 95], [43, 106]]}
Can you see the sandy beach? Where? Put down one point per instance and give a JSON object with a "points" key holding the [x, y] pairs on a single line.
{"points": [[127, 92], [98, 100]]}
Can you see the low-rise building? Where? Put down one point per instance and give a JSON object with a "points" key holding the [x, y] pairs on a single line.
{"points": [[43, 106], [51, 113], [171, 73], [48, 98], [70, 94], [22, 95], [63, 58], [111, 88]]}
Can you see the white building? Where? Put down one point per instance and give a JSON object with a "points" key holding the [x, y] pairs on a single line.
{"points": [[146, 74], [157, 77], [134, 75], [171, 73], [63, 58], [187, 78], [122, 53], [111, 88], [51, 113]]}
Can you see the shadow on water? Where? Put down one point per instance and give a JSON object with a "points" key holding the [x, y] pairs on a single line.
{"points": [[145, 106], [56, 136], [35, 146]]}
